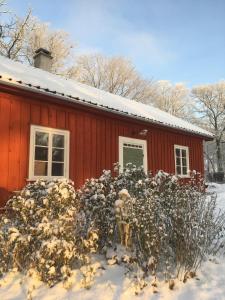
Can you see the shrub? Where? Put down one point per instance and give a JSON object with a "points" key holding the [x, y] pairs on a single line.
{"points": [[175, 226], [170, 227], [163, 226], [40, 230], [97, 198]]}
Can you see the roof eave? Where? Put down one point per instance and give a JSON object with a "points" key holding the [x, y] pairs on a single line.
{"points": [[71, 99]]}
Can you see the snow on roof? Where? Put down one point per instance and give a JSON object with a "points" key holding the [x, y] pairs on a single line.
{"points": [[38, 80]]}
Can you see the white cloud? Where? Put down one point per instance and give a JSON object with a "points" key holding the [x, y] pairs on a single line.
{"points": [[100, 26], [144, 47]]}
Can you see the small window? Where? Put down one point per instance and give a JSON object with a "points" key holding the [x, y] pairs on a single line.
{"points": [[49, 153], [132, 151], [181, 160]]}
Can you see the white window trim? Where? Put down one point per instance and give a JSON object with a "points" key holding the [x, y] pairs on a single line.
{"points": [[143, 143], [188, 164], [66, 133]]}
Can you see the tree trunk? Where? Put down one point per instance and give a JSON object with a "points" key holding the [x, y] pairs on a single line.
{"points": [[219, 156]]}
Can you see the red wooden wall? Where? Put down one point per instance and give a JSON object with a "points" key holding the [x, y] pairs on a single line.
{"points": [[93, 139]]}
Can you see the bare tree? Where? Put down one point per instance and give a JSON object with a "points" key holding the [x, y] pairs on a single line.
{"points": [[56, 41], [12, 38], [20, 37], [116, 75], [210, 107], [2, 7], [3, 13], [3, 10], [174, 99]]}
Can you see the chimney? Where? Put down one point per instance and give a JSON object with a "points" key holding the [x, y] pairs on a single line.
{"points": [[43, 59]]}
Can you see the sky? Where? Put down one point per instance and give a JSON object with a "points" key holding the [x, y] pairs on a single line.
{"points": [[176, 40]]}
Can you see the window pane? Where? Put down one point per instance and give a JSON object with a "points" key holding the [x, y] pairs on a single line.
{"points": [[40, 168], [57, 154], [178, 170], [134, 156], [178, 152], [57, 169], [41, 153], [58, 141], [41, 139], [183, 153], [178, 161], [184, 170], [184, 162]]}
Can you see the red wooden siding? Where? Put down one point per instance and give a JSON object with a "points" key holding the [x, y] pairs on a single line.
{"points": [[93, 139]]}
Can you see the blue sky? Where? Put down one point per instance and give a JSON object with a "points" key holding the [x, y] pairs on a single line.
{"points": [[177, 40]]}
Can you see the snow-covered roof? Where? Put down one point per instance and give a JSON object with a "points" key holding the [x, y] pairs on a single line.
{"points": [[38, 80]]}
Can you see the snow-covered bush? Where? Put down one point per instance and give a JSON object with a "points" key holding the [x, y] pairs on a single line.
{"points": [[162, 226], [97, 199], [169, 227], [40, 230], [100, 202], [175, 226]]}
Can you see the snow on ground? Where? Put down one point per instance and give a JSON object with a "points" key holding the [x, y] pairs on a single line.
{"points": [[220, 191], [110, 282]]}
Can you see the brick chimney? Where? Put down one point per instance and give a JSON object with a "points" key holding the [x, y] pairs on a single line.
{"points": [[43, 59]]}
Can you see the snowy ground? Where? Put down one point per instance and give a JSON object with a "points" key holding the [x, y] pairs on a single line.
{"points": [[220, 190], [111, 284]]}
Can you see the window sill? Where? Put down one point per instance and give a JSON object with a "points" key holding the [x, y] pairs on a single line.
{"points": [[45, 178], [184, 176]]}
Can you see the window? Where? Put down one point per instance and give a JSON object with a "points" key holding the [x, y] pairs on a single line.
{"points": [[49, 153], [181, 154], [132, 151]]}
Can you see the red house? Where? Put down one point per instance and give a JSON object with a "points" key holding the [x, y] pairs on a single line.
{"points": [[51, 127]]}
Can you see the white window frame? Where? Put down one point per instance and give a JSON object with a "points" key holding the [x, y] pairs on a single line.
{"points": [[180, 147], [127, 140], [50, 131]]}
